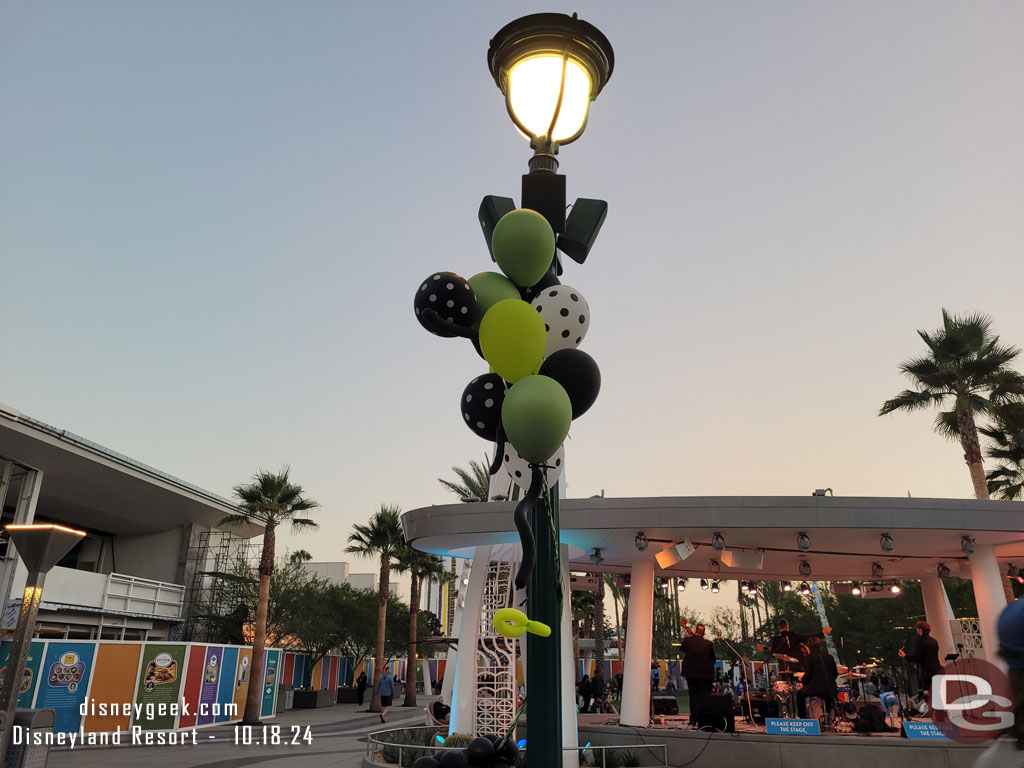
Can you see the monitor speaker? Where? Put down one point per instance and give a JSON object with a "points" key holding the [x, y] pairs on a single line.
{"points": [[665, 705], [714, 712]]}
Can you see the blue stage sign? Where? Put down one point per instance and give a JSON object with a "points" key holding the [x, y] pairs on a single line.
{"points": [[923, 730], [793, 727]]}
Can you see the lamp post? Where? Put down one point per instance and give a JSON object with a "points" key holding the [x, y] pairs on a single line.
{"points": [[549, 67], [40, 547]]}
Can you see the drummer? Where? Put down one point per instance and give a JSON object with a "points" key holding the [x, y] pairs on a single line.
{"points": [[790, 647]]}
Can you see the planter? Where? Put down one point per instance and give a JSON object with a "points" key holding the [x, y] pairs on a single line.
{"points": [[308, 699], [348, 696]]}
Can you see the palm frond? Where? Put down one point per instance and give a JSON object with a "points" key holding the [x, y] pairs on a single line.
{"points": [[946, 424], [909, 400]]}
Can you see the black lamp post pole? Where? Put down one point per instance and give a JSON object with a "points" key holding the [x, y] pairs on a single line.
{"points": [[21, 644], [544, 192]]}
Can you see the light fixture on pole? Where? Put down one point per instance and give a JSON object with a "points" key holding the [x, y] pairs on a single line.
{"points": [[887, 543], [640, 541], [664, 583], [715, 587], [855, 590], [680, 585], [718, 541], [704, 584], [803, 541], [41, 546], [805, 589], [967, 545], [787, 587]]}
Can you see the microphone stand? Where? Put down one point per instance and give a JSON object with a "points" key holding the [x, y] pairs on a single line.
{"points": [[747, 675]]}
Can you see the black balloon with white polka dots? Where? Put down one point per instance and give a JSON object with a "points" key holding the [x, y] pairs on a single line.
{"points": [[480, 405], [450, 296]]}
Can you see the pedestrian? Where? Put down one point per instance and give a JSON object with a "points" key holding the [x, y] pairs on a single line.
{"points": [[586, 693], [386, 689], [598, 688], [361, 686], [618, 683], [655, 676], [698, 669]]}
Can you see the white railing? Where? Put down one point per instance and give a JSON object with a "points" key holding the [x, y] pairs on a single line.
{"points": [[144, 596]]}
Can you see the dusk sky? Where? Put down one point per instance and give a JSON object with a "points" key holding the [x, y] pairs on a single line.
{"points": [[214, 217]]}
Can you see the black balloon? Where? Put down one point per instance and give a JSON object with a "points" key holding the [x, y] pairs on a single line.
{"points": [[451, 297], [531, 293], [509, 752], [425, 762], [480, 405], [480, 752], [453, 758], [501, 763], [578, 374]]}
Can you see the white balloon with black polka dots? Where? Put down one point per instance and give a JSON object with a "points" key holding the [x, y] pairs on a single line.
{"points": [[450, 296], [566, 316], [519, 469]]}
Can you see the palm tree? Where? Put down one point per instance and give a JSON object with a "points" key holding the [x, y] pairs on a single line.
{"points": [[600, 637], [1006, 436], [269, 500], [380, 537], [965, 367], [474, 482], [420, 566]]}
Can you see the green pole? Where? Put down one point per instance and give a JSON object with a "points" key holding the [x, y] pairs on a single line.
{"points": [[543, 654]]}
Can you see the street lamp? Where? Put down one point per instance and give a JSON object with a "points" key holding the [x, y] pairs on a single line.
{"points": [[41, 547], [549, 67]]}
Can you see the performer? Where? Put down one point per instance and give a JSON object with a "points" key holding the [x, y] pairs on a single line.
{"points": [[925, 656], [698, 668], [790, 648], [819, 680]]}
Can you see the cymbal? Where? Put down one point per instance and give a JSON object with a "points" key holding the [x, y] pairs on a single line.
{"points": [[843, 669], [866, 666], [853, 676], [784, 657], [798, 675]]}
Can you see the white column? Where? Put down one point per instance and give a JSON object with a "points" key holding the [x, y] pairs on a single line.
{"points": [[570, 734], [938, 613], [463, 696], [989, 595], [636, 676]]}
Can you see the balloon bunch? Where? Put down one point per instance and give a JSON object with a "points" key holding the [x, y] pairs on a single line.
{"points": [[527, 326], [489, 751]]}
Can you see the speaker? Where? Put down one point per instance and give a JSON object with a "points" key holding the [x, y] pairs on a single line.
{"points": [[714, 712], [665, 705], [491, 210], [760, 707]]}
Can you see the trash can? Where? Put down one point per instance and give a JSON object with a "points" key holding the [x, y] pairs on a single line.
{"points": [[285, 697], [26, 755]]}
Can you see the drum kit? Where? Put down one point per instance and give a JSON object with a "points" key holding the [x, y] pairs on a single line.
{"points": [[786, 687]]}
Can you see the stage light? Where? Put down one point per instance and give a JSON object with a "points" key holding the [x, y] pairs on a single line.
{"points": [[886, 543], [1012, 571], [752, 589], [714, 567], [714, 587], [877, 570], [805, 568], [787, 587], [856, 589], [718, 542], [967, 545], [943, 571], [895, 588], [703, 583], [743, 586], [664, 583], [595, 557], [681, 585], [805, 589], [803, 541], [640, 540]]}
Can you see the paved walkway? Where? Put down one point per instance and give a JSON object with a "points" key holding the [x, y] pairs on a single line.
{"points": [[334, 734]]}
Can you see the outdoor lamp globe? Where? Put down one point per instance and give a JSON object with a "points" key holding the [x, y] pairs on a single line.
{"points": [[550, 66]]}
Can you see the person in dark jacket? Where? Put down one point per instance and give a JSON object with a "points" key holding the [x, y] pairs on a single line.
{"points": [[598, 688], [819, 680], [698, 668], [586, 693], [925, 656], [361, 686]]}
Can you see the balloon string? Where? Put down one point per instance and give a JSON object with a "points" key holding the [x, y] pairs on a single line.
{"points": [[499, 452], [526, 538], [431, 318]]}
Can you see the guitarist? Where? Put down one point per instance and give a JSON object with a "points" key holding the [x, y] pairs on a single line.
{"points": [[698, 668]]}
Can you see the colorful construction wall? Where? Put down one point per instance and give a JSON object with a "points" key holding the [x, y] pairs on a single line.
{"points": [[207, 679]]}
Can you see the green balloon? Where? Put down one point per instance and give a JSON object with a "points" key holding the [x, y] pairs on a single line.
{"points": [[490, 288], [536, 415], [512, 338], [523, 244]]}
